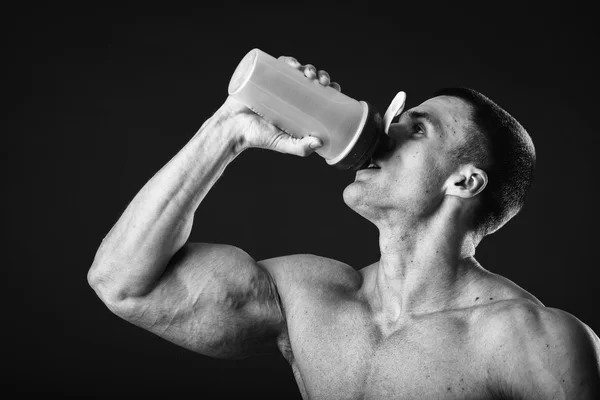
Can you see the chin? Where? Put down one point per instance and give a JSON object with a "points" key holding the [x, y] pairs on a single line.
{"points": [[355, 197], [352, 194]]}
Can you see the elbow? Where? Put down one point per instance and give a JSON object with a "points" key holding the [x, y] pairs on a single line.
{"points": [[92, 278], [114, 297]]}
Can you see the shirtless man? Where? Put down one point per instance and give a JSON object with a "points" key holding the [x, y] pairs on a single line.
{"points": [[424, 322]]}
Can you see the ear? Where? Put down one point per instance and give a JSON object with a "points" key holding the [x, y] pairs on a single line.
{"points": [[467, 182]]}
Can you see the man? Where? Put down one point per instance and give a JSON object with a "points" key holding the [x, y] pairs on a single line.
{"points": [[426, 321]]}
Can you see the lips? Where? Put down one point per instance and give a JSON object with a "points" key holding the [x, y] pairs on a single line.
{"points": [[371, 165]]}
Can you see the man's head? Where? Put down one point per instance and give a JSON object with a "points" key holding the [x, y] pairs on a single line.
{"points": [[457, 147]]}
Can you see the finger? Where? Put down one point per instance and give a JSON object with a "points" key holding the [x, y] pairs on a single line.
{"points": [[310, 71], [298, 146], [336, 86], [291, 61], [324, 78]]}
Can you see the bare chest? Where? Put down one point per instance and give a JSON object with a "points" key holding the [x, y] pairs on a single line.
{"points": [[342, 354]]}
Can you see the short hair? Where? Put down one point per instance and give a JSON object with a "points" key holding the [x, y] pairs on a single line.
{"points": [[496, 143]]}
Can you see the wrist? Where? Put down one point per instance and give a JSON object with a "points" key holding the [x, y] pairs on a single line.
{"points": [[227, 121]]}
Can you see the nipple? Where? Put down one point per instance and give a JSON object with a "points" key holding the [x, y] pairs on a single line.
{"points": [[396, 107]]}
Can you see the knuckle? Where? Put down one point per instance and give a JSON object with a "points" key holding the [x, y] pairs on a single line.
{"points": [[310, 71], [290, 61], [324, 78]]}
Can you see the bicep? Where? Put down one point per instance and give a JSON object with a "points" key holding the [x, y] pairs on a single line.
{"points": [[214, 300]]}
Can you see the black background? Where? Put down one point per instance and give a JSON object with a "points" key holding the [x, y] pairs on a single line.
{"points": [[98, 99]]}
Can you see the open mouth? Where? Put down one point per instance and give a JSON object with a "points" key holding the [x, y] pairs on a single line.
{"points": [[371, 165]]}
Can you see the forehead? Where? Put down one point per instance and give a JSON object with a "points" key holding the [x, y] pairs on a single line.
{"points": [[452, 114]]}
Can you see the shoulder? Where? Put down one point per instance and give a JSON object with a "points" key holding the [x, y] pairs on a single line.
{"points": [[525, 319], [311, 272], [541, 350]]}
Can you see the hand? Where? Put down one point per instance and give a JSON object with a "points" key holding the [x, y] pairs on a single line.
{"points": [[258, 132]]}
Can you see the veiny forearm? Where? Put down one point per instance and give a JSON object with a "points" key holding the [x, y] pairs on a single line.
{"points": [[158, 221]]}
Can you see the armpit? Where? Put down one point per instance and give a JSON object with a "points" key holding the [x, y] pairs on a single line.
{"points": [[285, 346]]}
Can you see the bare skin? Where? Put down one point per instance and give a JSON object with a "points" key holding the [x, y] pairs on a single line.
{"points": [[340, 347], [424, 322]]}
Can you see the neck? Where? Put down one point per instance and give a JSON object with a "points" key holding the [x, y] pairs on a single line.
{"points": [[425, 265]]}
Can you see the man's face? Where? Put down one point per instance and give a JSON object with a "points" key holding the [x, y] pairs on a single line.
{"points": [[413, 172]]}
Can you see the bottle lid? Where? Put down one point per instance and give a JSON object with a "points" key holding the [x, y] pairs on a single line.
{"points": [[371, 138], [395, 108]]}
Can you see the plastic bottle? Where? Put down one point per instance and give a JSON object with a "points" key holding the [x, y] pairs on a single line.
{"points": [[351, 130]]}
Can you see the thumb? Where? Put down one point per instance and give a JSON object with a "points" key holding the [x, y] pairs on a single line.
{"points": [[299, 146]]}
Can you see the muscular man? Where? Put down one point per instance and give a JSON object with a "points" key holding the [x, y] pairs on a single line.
{"points": [[426, 321]]}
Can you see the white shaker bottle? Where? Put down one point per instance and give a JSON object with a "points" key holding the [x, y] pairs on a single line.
{"points": [[351, 130]]}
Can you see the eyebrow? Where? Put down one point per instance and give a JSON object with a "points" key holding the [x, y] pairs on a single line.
{"points": [[414, 114]]}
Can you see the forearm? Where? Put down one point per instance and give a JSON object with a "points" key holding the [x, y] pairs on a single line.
{"points": [[158, 221]]}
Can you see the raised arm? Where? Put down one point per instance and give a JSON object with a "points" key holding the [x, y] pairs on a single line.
{"points": [[213, 299]]}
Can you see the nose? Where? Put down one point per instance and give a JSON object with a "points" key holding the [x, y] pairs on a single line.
{"points": [[398, 133]]}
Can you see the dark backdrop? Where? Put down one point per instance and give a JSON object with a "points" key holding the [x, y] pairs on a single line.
{"points": [[99, 99]]}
